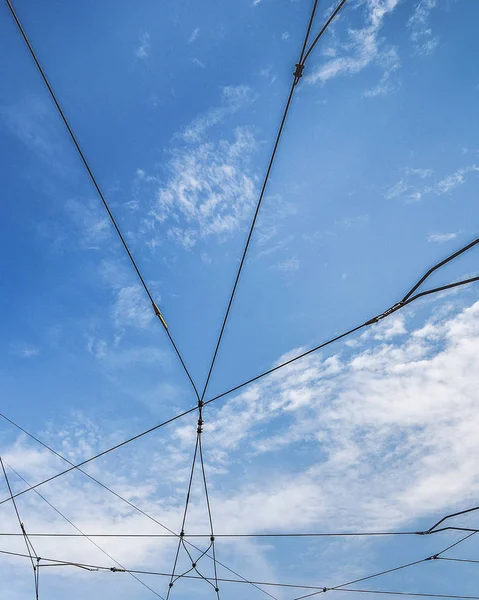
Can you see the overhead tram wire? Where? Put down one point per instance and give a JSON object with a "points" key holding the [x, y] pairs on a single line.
{"points": [[296, 77], [96, 185], [319, 588], [129, 503], [82, 534], [368, 323], [392, 570], [28, 543]]}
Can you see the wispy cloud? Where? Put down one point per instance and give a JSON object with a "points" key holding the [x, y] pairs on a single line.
{"points": [[285, 36], [289, 265], [209, 189], [233, 99], [194, 35], [412, 186], [423, 40], [440, 238], [364, 47], [142, 50]]}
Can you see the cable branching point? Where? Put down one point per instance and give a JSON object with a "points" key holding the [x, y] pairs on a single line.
{"points": [[298, 73]]}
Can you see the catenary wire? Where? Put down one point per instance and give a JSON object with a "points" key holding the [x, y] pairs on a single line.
{"points": [[82, 534], [97, 188], [320, 588], [341, 336], [28, 543], [131, 504], [297, 76], [368, 323]]}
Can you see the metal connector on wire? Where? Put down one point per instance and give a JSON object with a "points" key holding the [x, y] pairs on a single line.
{"points": [[159, 315]]}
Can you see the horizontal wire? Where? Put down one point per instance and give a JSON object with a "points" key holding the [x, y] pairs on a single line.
{"points": [[414, 594], [217, 535]]}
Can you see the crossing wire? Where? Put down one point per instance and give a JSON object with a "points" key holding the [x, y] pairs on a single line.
{"points": [[28, 543], [321, 589], [128, 502], [82, 534], [98, 189]]}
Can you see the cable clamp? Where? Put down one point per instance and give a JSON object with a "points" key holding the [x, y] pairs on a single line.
{"points": [[391, 310], [159, 315], [182, 533], [117, 570], [298, 73], [200, 426]]}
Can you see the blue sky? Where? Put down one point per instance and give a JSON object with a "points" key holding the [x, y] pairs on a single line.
{"points": [[176, 107]]}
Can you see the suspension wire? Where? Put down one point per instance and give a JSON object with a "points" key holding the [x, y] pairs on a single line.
{"points": [[82, 534], [450, 516], [212, 538], [368, 323], [320, 588], [372, 321], [396, 307], [93, 179], [297, 75], [185, 512], [131, 504], [374, 575], [460, 560], [28, 543], [323, 29], [413, 594]]}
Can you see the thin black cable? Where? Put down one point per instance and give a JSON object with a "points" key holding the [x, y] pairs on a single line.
{"points": [[439, 265], [212, 538], [82, 534], [84, 462], [297, 76], [96, 185], [223, 535], [456, 514], [321, 589], [461, 560], [170, 585], [413, 594], [134, 506], [28, 543], [376, 319], [308, 31], [337, 587], [323, 29], [463, 539], [368, 323]]}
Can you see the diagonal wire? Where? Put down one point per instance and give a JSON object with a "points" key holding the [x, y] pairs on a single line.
{"points": [[84, 462], [97, 188], [297, 76], [28, 543], [341, 336], [368, 323], [185, 512], [374, 575], [131, 504], [212, 538], [321, 589], [82, 534]]}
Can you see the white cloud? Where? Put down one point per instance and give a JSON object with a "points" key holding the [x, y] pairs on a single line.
{"points": [[194, 35], [285, 36], [198, 63], [411, 188], [363, 48], [131, 308], [423, 40], [440, 238], [233, 99], [208, 191], [143, 49], [289, 265]]}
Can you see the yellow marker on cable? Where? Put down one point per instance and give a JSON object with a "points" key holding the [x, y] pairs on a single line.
{"points": [[159, 315]]}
